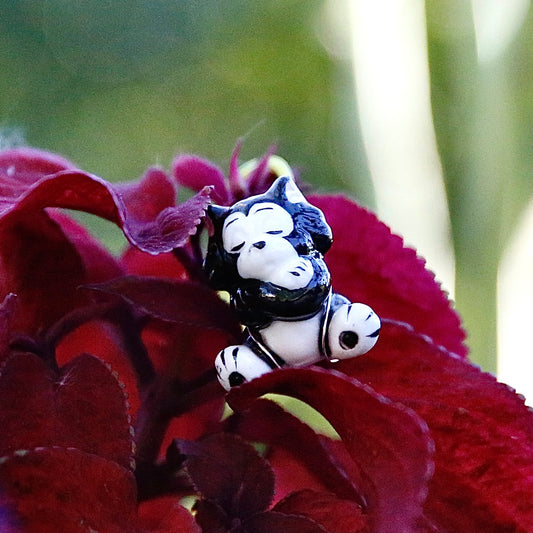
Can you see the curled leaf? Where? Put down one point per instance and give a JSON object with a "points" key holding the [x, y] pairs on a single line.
{"points": [[389, 442], [166, 515], [156, 226]]}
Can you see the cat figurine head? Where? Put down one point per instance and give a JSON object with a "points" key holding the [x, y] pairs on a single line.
{"points": [[267, 252]]}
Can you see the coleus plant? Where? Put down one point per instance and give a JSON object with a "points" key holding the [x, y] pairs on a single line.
{"points": [[111, 417]]}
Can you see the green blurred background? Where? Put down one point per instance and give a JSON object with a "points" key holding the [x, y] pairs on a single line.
{"points": [[119, 85]]}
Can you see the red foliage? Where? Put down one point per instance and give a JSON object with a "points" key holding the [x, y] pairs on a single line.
{"points": [[110, 411]]}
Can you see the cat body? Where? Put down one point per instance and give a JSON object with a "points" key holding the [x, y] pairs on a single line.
{"points": [[267, 251]]}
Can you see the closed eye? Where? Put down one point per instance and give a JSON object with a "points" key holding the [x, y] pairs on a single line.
{"points": [[275, 232], [237, 248]]}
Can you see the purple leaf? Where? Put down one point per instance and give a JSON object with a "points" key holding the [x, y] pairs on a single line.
{"points": [[305, 453], [229, 472], [183, 302]]}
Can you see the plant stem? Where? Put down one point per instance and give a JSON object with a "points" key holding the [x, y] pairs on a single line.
{"points": [[165, 400]]}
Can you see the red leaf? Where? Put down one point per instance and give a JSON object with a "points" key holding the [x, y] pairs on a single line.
{"points": [[51, 490], [229, 471], [371, 265], [303, 460], [45, 257], [333, 514], [102, 341], [148, 197], [211, 517], [147, 226], [162, 265], [42, 268], [196, 173], [98, 263], [84, 407], [71, 189], [273, 522], [165, 515], [183, 302], [22, 167], [388, 441], [483, 432], [198, 421], [7, 308]]}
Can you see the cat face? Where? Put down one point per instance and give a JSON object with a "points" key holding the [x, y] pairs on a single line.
{"points": [[258, 241]]}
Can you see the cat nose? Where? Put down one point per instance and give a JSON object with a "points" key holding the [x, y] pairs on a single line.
{"points": [[259, 245]]}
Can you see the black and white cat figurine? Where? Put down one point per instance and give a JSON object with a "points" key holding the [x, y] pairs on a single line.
{"points": [[267, 252]]}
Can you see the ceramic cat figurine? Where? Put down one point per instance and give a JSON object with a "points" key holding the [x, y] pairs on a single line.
{"points": [[267, 252]]}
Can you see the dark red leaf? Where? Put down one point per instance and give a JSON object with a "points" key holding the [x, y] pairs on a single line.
{"points": [[154, 226], [196, 173], [21, 167], [42, 268], [304, 460], [198, 421], [483, 432], [333, 514], [371, 265], [388, 441], [183, 302], [51, 490], [84, 407], [162, 265], [211, 517], [273, 522], [71, 189], [45, 257], [101, 339], [7, 308], [261, 177], [148, 197], [230, 472], [98, 263], [165, 515]]}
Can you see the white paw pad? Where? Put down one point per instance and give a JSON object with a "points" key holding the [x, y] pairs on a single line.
{"points": [[237, 364], [353, 331]]}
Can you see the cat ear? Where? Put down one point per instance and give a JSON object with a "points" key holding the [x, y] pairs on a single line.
{"points": [[217, 212], [285, 189]]}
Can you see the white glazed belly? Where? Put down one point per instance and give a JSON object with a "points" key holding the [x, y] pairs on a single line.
{"points": [[295, 342]]}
